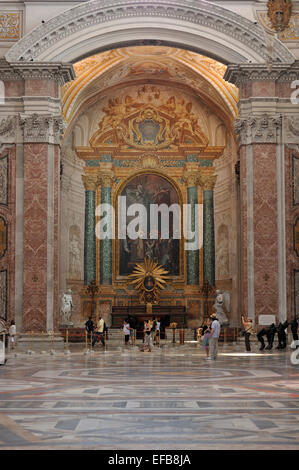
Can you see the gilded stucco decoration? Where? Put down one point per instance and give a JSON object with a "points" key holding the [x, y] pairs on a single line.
{"points": [[148, 122], [279, 13], [10, 25], [289, 33]]}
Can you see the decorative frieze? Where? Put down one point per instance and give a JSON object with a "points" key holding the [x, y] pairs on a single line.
{"points": [[258, 129]]}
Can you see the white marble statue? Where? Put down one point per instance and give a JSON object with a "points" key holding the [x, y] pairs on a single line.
{"points": [[75, 257], [66, 307], [219, 307]]}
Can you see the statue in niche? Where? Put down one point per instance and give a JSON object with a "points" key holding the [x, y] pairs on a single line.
{"points": [[66, 307], [222, 304], [75, 258]]}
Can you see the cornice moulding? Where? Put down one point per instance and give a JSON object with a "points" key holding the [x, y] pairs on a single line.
{"points": [[238, 74], [58, 72]]}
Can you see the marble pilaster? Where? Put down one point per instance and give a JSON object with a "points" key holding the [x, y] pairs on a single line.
{"points": [[31, 120], [265, 128]]}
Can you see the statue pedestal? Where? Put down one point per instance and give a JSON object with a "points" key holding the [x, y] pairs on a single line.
{"points": [[39, 342]]}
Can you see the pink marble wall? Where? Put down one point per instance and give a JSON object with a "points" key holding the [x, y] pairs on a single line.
{"points": [[35, 237], [41, 88], [14, 88], [263, 88], [7, 262], [265, 230], [292, 212]]}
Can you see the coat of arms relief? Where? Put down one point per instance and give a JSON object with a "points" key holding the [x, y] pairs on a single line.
{"points": [[279, 13], [149, 122]]}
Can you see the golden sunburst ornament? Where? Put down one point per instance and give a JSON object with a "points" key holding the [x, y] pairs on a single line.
{"points": [[149, 278]]}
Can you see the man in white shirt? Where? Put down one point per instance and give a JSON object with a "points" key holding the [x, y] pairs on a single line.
{"points": [[215, 333], [99, 332]]}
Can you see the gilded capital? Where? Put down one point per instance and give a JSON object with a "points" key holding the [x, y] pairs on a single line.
{"points": [[191, 178], [208, 182], [106, 178], [90, 182]]}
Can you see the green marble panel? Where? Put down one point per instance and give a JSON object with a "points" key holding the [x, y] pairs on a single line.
{"points": [[89, 238], [192, 256], [208, 237], [106, 246]]}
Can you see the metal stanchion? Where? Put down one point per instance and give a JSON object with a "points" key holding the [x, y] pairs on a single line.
{"points": [[105, 339], [182, 339]]}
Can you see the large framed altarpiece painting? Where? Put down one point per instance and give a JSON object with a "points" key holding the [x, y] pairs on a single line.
{"points": [[150, 189]]}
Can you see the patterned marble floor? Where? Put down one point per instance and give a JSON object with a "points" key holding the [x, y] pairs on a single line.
{"points": [[170, 399]]}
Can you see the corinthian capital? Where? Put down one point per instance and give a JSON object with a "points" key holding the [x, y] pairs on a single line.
{"points": [[39, 128], [106, 178], [191, 178], [208, 182], [258, 129], [90, 182]]}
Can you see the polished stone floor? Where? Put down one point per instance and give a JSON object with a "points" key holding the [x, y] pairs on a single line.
{"points": [[171, 398]]}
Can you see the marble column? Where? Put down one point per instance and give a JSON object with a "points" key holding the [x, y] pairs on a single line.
{"points": [[208, 183], [191, 179], [90, 184], [106, 179]]}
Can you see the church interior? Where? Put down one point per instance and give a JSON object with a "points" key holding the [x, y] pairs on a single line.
{"points": [[111, 108]]}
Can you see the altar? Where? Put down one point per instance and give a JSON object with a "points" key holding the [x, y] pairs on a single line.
{"points": [[138, 314]]}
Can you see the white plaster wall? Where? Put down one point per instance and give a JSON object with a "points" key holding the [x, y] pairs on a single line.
{"points": [[72, 210]]}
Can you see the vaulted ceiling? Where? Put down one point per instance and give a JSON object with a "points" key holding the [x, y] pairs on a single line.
{"points": [[107, 72]]}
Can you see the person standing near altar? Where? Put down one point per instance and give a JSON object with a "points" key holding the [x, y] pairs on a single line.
{"points": [[99, 332], [215, 333]]}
